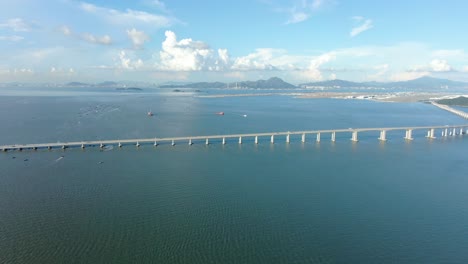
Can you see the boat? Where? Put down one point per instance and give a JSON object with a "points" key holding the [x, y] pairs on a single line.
{"points": [[220, 113], [150, 113]]}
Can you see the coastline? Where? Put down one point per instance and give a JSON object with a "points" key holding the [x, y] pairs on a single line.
{"points": [[397, 97]]}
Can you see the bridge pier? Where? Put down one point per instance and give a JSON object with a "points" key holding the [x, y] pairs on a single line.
{"points": [[240, 140], [430, 133], [287, 138], [303, 138], [318, 137], [256, 139], [333, 136], [190, 142], [63, 147], [101, 145], [155, 143], [272, 140], [445, 132], [120, 145], [454, 133], [49, 148], [224, 141], [82, 146], [173, 143], [461, 131], [207, 142], [383, 135], [137, 144], [354, 136]]}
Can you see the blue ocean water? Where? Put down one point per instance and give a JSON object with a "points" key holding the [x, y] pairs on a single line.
{"points": [[342, 202]]}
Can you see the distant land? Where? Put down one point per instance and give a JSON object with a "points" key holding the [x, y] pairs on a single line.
{"points": [[425, 82], [272, 83], [459, 101], [420, 84], [129, 89]]}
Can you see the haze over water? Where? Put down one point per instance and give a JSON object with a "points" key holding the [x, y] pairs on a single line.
{"points": [[342, 202]]}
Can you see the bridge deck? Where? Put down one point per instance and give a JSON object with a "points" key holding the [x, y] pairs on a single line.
{"points": [[170, 139]]}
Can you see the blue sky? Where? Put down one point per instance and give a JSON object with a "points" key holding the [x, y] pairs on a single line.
{"points": [[300, 41]]}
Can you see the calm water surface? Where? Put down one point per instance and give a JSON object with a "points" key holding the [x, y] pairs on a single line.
{"points": [[370, 202]]}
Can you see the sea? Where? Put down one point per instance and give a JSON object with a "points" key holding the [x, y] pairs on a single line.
{"points": [[396, 201]]}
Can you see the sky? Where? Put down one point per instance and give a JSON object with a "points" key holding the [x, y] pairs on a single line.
{"points": [[300, 41]]}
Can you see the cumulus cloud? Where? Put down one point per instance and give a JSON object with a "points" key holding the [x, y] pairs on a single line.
{"points": [[268, 59], [190, 55], [313, 72], [13, 38], [440, 66], [16, 24], [363, 25], [127, 17], [138, 38], [104, 40], [127, 63]]}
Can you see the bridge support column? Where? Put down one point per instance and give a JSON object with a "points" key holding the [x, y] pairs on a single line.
{"points": [[63, 147], [49, 148], [409, 134], [240, 140], [224, 141], [303, 138], [461, 131], [354, 136], [383, 135], [454, 132], [120, 145], [82, 146], [333, 136], [287, 138], [34, 148], [318, 137], [430, 133], [256, 139], [272, 140], [173, 143], [101, 145], [137, 144], [190, 142], [155, 143], [207, 142], [446, 132]]}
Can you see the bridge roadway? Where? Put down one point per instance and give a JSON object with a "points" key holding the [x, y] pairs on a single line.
{"points": [[463, 129]]}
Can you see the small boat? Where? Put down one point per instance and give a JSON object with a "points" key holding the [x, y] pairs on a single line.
{"points": [[220, 113], [244, 115], [150, 113]]}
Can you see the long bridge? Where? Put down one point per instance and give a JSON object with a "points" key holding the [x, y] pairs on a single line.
{"points": [[446, 130]]}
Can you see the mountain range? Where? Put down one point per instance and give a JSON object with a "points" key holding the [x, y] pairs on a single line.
{"points": [[423, 83]]}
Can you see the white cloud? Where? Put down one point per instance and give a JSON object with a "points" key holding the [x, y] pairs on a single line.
{"points": [[138, 38], [16, 24], [408, 75], [104, 40], [465, 69], [269, 59], [332, 76], [127, 17], [128, 63], [313, 71], [363, 26], [297, 17], [440, 66], [301, 10], [190, 55], [65, 30], [13, 38]]}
